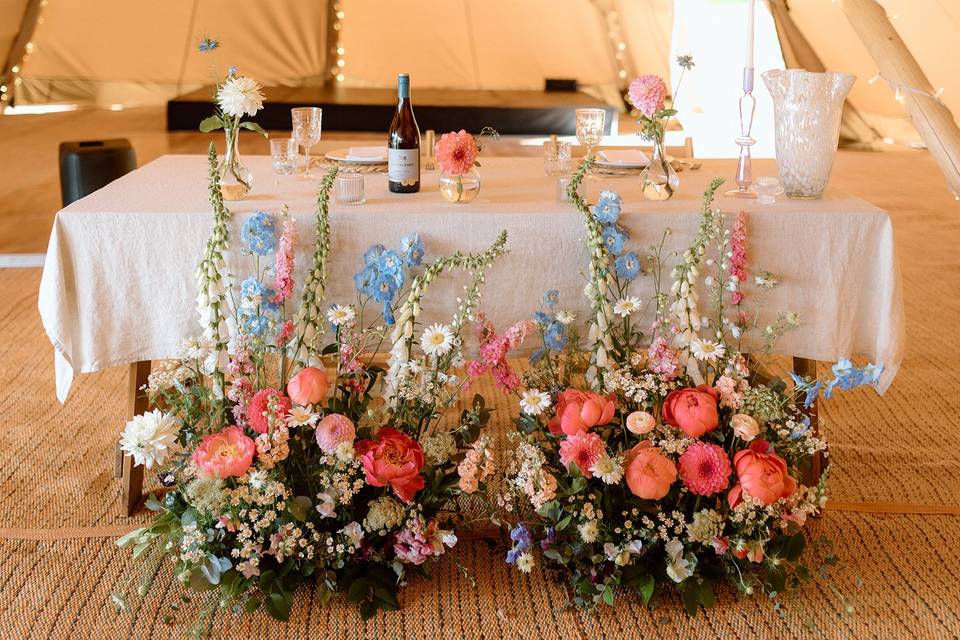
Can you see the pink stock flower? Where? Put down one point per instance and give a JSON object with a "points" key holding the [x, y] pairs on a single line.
{"points": [[738, 257], [284, 263], [494, 350], [259, 412], [286, 330], [581, 410], [662, 359], [240, 392], [393, 459], [226, 453], [648, 93], [334, 429], [456, 152], [704, 469], [583, 448]]}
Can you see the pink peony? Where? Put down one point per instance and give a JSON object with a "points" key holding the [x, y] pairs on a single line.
{"points": [[456, 152], [581, 410], [393, 459], [649, 473], [333, 430], [309, 386], [648, 93], [257, 413], [762, 475], [705, 469], [693, 411], [226, 453], [584, 448]]}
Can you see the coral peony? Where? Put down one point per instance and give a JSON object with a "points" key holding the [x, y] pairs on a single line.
{"points": [[648, 93], [259, 409], [583, 448], [580, 410], [693, 411], [640, 422], [649, 473], [705, 469], [456, 152], [226, 453], [333, 430], [393, 459], [309, 386], [762, 475]]}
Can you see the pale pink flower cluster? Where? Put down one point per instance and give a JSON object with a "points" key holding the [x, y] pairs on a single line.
{"points": [[648, 94], [662, 359], [494, 350], [731, 391], [419, 541], [284, 264], [738, 257], [456, 152], [240, 391], [476, 466], [273, 447], [541, 488]]}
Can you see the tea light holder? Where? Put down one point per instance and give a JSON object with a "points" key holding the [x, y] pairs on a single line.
{"points": [[348, 188], [563, 182]]}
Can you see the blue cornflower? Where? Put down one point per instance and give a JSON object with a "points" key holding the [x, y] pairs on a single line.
{"points": [[555, 336], [390, 264], [550, 298], [411, 245], [607, 209], [615, 238], [208, 44], [627, 266], [259, 233], [372, 256]]}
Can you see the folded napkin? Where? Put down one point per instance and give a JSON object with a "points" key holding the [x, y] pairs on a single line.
{"points": [[367, 154], [627, 157]]}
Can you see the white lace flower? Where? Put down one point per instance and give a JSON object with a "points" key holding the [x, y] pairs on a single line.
{"points": [[534, 401], [608, 469], [150, 437], [706, 350], [565, 317], [436, 340], [240, 96], [302, 416], [625, 306], [341, 315]]}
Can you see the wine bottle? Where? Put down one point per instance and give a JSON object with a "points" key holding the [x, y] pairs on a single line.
{"points": [[403, 146]]}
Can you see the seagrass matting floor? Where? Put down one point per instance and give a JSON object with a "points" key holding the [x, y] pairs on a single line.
{"points": [[895, 515]]}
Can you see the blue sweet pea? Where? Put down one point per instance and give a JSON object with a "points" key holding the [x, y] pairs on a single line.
{"points": [[412, 248], [259, 232], [615, 238], [607, 209], [521, 535], [811, 388], [551, 298], [555, 336], [627, 266]]}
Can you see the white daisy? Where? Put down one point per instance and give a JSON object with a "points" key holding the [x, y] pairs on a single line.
{"points": [[256, 479], [436, 340], [302, 416], [534, 401], [706, 350], [608, 469], [240, 96], [625, 306], [564, 317], [589, 531], [150, 437], [341, 315], [525, 562]]}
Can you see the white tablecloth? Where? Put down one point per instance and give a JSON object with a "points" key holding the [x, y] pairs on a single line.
{"points": [[118, 283]]}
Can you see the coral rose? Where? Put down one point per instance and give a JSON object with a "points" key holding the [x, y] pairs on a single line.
{"points": [[393, 459], [580, 410], [640, 422], [649, 473], [259, 409], [309, 386], [744, 427], [693, 411], [762, 475], [226, 453], [334, 429]]}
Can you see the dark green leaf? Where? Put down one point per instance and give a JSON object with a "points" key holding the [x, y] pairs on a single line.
{"points": [[251, 605], [645, 586], [277, 606], [359, 590]]}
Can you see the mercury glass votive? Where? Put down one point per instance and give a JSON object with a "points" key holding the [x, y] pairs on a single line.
{"points": [[348, 188]]}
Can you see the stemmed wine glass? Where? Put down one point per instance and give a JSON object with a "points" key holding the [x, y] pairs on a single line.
{"points": [[590, 127], [306, 130], [283, 153]]}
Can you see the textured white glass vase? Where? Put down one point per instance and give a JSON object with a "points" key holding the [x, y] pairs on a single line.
{"points": [[807, 108]]}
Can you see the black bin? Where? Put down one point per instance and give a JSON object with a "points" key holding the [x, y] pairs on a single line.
{"points": [[86, 166]]}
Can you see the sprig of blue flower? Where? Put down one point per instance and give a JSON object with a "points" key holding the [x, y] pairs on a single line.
{"points": [[383, 273], [845, 377], [259, 233], [607, 209], [207, 44], [555, 334], [522, 541]]}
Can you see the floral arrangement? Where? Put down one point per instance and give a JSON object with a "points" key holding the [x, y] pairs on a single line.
{"points": [[661, 455], [286, 456], [456, 153], [648, 94]]}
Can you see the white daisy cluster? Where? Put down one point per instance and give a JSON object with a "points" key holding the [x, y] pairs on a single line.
{"points": [[707, 524], [533, 402], [642, 389], [609, 470], [416, 383], [625, 307], [342, 316], [383, 515]]}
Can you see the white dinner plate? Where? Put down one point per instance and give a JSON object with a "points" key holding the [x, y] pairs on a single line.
{"points": [[359, 155]]}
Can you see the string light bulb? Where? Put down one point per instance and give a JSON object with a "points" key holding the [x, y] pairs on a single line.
{"points": [[336, 48]]}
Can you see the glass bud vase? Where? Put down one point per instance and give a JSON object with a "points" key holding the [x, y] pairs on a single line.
{"points": [[460, 188], [806, 109], [235, 179], [659, 180]]}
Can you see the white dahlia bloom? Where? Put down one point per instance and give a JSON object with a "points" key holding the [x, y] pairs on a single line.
{"points": [[240, 96], [150, 437]]}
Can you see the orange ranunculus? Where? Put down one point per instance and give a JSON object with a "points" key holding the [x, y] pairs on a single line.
{"points": [[693, 411], [762, 475], [225, 453], [309, 386], [649, 473], [394, 459], [580, 410]]}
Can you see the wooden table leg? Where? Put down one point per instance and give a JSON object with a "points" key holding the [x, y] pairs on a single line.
{"points": [[808, 369], [132, 474]]}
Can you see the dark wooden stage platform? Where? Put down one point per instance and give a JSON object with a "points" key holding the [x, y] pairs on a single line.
{"points": [[349, 109]]}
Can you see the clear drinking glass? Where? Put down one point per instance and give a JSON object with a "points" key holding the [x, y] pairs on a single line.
{"points": [[556, 157], [590, 127], [348, 188], [283, 153], [306, 130]]}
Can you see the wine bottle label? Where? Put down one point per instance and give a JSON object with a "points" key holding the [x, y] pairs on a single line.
{"points": [[403, 166]]}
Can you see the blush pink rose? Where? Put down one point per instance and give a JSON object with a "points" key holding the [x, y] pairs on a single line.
{"points": [[259, 409], [309, 386], [649, 473], [581, 410], [762, 475], [640, 422], [393, 459], [226, 453], [334, 429], [583, 448], [693, 411]]}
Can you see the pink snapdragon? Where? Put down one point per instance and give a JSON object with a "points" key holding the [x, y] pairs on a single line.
{"points": [[284, 264], [662, 359], [494, 350], [738, 257]]}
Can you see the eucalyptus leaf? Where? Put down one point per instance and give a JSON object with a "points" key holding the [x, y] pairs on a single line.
{"points": [[211, 123]]}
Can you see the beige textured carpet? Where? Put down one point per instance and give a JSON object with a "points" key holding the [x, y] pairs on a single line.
{"points": [[898, 453]]}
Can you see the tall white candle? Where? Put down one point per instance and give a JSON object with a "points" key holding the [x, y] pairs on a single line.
{"points": [[749, 61]]}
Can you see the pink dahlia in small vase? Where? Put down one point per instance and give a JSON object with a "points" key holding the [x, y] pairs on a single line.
{"points": [[456, 154], [652, 453]]}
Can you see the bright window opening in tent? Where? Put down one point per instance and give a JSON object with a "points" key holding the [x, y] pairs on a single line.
{"points": [[34, 109]]}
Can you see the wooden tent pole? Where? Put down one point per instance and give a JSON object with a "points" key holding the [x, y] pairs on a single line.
{"points": [[931, 118], [19, 48]]}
